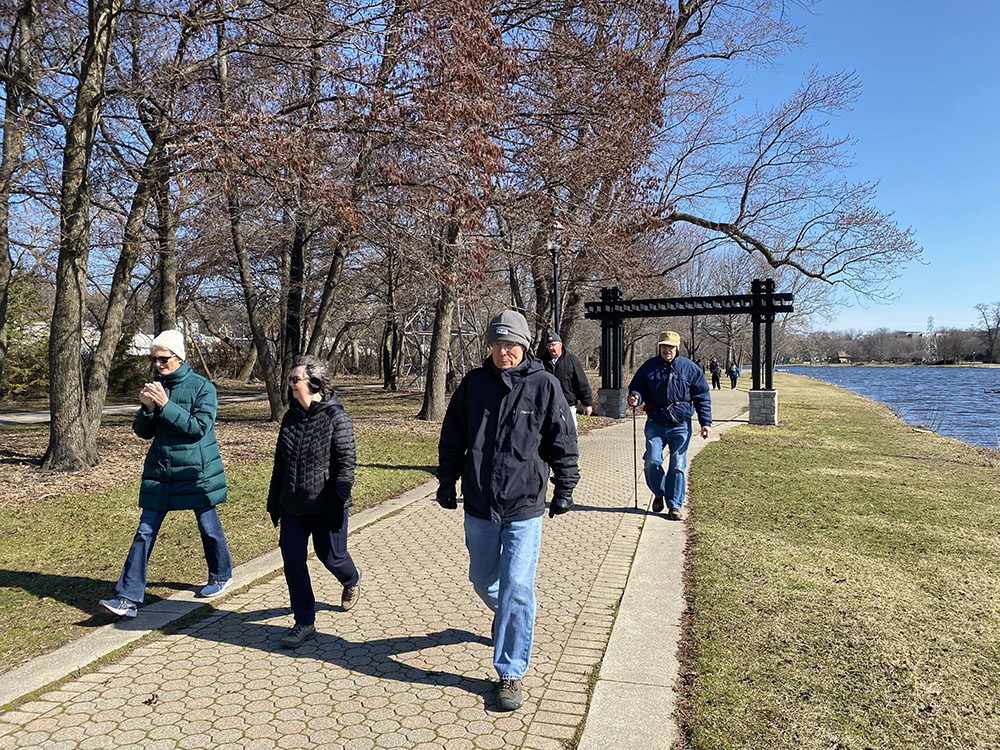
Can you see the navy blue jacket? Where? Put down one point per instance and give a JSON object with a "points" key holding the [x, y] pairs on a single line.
{"points": [[673, 391], [503, 431]]}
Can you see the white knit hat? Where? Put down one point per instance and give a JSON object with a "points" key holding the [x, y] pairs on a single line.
{"points": [[173, 340]]}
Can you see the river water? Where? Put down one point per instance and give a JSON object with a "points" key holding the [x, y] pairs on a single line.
{"points": [[960, 402]]}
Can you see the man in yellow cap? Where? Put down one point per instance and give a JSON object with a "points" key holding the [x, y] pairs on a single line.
{"points": [[671, 388]]}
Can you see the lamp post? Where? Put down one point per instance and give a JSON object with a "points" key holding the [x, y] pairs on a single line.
{"points": [[554, 249]]}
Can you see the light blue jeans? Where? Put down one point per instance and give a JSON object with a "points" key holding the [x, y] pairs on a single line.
{"points": [[669, 485], [502, 562], [132, 582]]}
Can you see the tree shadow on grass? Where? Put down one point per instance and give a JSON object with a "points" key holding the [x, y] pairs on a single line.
{"points": [[428, 469], [79, 592], [375, 658]]}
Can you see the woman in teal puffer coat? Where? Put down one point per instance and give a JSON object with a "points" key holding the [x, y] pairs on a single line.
{"points": [[183, 470]]}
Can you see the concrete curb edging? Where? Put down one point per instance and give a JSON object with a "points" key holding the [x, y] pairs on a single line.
{"points": [[634, 701]]}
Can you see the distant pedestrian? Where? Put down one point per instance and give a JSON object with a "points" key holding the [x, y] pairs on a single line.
{"points": [[716, 370], [310, 492], [569, 372], [733, 371], [183, 470], [506, 426], [671, 389]]}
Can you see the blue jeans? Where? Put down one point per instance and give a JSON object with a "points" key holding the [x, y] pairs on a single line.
{"points": [[502, 563], [132, 582], [331, 550], [669, 485]]}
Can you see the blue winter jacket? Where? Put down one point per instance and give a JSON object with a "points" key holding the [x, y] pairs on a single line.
{"points": [[183, 468], [673, 391]]}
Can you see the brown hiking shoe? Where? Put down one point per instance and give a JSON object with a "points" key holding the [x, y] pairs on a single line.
{"points": [[351, 594], [657, 504], [509, 695], [674, 514]]}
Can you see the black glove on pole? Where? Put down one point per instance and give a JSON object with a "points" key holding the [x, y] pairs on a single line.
{"points": [[635, 458]]}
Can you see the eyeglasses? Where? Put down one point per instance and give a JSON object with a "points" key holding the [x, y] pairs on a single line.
{"points": [[162, 360], [504, 346], [294, 379]]}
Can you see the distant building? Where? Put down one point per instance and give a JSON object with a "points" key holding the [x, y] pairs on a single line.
{"points": [[842, 358]]}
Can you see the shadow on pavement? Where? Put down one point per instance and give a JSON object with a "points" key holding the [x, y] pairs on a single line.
{"points": [[75, 591], [370, 657], [629, 509]]}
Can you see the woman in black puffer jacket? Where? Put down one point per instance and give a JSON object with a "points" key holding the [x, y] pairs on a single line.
{"points": [[310, 491]]}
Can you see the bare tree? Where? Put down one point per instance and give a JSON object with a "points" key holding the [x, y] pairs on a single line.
{"points": [[990, 315], [18, 77], [72, 438]]}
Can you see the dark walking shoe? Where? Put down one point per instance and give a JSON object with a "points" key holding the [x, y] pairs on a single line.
{"points": [[674, 514], [298, 635], [657, 504], [509, 695], [351, 594]]}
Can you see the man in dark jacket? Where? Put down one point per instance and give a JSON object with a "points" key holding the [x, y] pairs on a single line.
{"points": [[183, 470], [506, 426], [569, 372], [670, 388]]}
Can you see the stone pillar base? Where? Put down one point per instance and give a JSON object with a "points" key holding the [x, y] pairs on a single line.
{"points": [[763, 407], [611, 402]]}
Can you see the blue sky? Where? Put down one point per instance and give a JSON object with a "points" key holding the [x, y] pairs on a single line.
{"points": [[927, 127]]}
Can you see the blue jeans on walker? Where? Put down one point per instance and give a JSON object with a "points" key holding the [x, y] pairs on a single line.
{"points": [[669, 485], [132, 582], [502, 562]]}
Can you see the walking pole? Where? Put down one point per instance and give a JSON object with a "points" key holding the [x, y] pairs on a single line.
{"points": [[635, 459]]}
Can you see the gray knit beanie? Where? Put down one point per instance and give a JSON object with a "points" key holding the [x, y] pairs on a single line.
{"points": [[509, 325]]}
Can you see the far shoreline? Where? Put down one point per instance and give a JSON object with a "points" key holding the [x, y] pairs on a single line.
{"points": [[985, 365]]}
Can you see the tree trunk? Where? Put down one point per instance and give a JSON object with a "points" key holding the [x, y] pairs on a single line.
{"points": [[255, 314], [246, 372], [18, 110], [435, 390], [72, 441], [166, 245], [391, 344], [292, 344]]}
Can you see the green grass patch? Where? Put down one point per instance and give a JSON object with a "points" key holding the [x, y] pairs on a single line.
{"points": [[845, 584], [60, 555]]}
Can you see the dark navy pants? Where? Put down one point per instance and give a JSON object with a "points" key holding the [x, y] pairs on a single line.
{"points": [[331, 550]]}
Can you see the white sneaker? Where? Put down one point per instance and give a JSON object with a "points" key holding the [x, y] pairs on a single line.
{"points": [[119, 606], [214, 588]]}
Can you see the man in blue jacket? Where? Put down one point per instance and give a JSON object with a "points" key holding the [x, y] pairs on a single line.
{"points": [[671, 388], [506, 426]]}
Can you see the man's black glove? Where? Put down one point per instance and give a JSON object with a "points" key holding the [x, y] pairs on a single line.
{"points": [[560, 504], [446, 496]]}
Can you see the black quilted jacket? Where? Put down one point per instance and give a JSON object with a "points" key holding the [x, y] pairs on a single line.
{"points": [[313, 462]]}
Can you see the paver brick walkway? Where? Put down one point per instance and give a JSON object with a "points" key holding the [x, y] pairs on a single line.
{"points": [[409, 667]]}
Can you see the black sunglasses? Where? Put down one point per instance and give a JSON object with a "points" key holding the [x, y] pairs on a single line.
{"points": [[293, 379], [162, 360]]}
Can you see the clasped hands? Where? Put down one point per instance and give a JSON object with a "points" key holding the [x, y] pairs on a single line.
{"points": [[153, 394]]}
